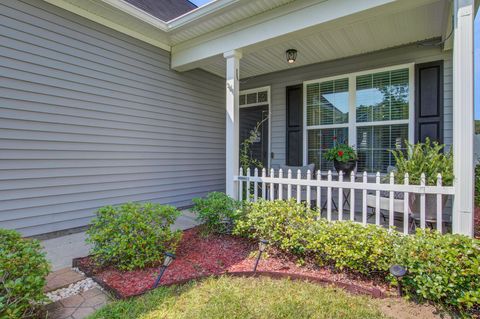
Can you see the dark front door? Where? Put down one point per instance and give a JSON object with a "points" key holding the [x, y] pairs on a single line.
{"points": [[250, 117]]}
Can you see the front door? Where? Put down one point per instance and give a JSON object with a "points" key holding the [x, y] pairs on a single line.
{"points": [[250, 117]]}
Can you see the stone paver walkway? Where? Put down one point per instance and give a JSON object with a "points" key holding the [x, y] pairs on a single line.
{"points": [[62, 278], [78, 306]]}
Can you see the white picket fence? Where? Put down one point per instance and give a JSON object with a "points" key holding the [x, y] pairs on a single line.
{"points": [[379, 196]]}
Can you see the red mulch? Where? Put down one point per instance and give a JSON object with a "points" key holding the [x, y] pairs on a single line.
{"points": [[213, 255]]}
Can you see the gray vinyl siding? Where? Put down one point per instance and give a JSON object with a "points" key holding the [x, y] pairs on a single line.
{"points": [[280, 80], [91, 117]]}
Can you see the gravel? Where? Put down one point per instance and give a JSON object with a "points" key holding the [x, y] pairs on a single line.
{"points": [[73, 289]]}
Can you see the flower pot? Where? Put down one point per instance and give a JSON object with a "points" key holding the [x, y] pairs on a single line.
{"points": [[430, 206], [346, 167]]}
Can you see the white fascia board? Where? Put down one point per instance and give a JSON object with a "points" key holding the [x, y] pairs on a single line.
{"points": [[273, 24], [109, 23], [138, 13], [200, 12]]}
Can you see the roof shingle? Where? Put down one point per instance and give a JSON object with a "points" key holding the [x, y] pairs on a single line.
{"points": [[164, 9]]}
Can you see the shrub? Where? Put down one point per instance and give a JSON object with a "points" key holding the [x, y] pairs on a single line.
{"points": [[133, 235], [217, 211], [365, 249], [23, 269], [283, 223], [444, 269]]}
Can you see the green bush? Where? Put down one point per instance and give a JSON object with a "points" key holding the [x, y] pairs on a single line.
{"points": [[365, 249], [444, 269], [133, 235], [23, 269], [218, 212], [283, 223]]}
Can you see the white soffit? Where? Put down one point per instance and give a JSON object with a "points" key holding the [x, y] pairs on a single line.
{"points": [[318, 45]]}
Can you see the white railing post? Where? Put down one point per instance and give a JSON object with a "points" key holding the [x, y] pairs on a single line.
{"points": [[299, 187], [422, 202], [289, 186], [391, 217], [240, 184], [272, 189], [319, 194], [255, 186], [309, 177], [247, 195], [364, 198], [352, 197], [377, 200], [439, 205], [340, 196], [406, 207], [264, 186], [329, 196], [280, 186]]}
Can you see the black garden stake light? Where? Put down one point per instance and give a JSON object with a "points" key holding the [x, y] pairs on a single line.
{"points": [[398, 271], [169, 257], [262, 245]]}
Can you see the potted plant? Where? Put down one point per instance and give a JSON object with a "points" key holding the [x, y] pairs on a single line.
{"points": [[430, 159], [344, 158]]}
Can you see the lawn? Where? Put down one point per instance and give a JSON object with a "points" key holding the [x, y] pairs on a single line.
{"points": [[228, 297]]}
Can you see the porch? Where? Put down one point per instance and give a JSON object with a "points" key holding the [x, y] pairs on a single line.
{"points": [[420, 53]]}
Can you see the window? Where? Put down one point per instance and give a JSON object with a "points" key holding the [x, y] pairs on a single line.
{"points": [[369, 110]]}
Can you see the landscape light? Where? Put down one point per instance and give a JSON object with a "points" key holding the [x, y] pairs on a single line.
{"points": [[169, 257], [262, 245]]}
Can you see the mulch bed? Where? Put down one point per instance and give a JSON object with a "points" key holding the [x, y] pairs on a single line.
{"points": [[199, 256]]}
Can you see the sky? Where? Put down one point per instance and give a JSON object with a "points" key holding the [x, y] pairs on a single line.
{"points": [[199, 3]]}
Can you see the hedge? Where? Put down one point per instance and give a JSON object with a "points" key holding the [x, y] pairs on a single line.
{"points": [[23, 268], [443, 269]]}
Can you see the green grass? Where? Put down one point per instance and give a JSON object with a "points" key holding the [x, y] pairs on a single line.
{"points": [[244, 298]]}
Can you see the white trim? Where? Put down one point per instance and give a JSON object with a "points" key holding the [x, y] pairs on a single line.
{"points": [[132, 10], [108, 23], [463, 89], [352, 123], [261, 89]]}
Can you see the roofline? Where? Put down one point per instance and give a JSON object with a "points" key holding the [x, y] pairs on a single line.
{"points": [[202, 11], [188, 17]]}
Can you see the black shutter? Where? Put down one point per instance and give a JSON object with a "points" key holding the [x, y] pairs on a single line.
{"points": [[429, 101], [294, 128]]}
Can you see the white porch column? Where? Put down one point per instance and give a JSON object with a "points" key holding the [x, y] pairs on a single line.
{"points": [[233, 120], [463, 116]]}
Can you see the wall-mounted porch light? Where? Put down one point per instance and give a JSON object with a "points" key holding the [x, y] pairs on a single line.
{"points": [[169, 257], [291, 55]]}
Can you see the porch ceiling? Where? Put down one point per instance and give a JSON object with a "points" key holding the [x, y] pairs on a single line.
{"points": [[318, 44]]}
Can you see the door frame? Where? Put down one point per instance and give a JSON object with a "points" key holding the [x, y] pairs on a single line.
{"points": [[255, 90]]}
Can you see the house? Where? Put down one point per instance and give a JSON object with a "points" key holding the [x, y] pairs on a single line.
{"points": [[108, 101]]}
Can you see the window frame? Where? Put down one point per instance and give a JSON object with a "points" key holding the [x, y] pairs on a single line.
{"points": [[352, 111], [269, 121]]}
